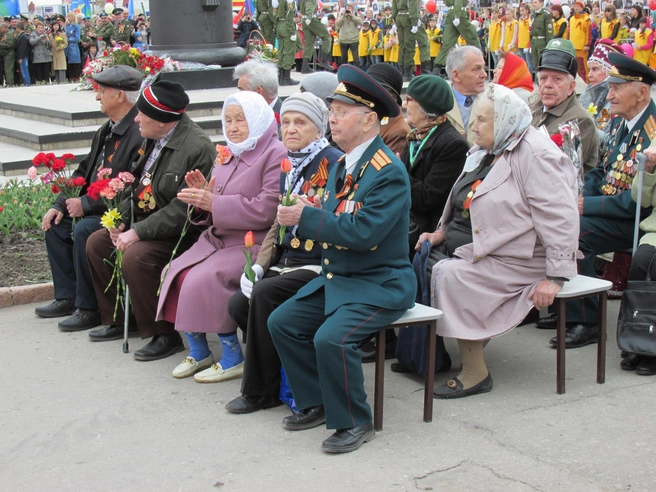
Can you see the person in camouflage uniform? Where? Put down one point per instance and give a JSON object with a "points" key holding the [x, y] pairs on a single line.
{"points": [[421, 37], [8, 52], [286, 34], [87, 34], [456, 24], [313, 28], [541, 30], [267, 19], [406, 13]]}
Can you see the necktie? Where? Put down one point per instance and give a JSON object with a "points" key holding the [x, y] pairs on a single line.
{"points": [[469, 100]]}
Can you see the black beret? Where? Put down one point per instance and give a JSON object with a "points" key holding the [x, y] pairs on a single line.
{"points": [[120, 77]]}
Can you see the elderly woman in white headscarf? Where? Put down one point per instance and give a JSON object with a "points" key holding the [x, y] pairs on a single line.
{"points": [[510, 229], [241, 196]]}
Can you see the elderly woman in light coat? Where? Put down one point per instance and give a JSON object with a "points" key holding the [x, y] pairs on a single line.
{"points": [[510, 228], [241, 196]]}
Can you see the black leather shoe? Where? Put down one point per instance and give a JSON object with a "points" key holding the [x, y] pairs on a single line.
{"points": [[401, 369], [306, 419], [160, 347], [647, 367], [369, 351], [250, 404], [82, 319], [454, 389], [56, 309], [547, 323], [347, 440], [631, 362], [111, 332], [579, 335]]}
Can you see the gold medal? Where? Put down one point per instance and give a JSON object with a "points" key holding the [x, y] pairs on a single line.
{"points": [[295, 243], [309, 244], [465, 214], [319, 192], [141, 204], [350, 197], [638, 147], [151, 204], [620, 157]]}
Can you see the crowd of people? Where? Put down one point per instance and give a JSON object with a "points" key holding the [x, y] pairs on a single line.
{"points": [[495, 207], [55, 49]]}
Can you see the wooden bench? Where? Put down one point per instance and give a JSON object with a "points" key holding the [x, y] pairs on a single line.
{"points": [[578, 288], [418, 315]]}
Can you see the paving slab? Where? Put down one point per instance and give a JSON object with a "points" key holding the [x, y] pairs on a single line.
{"points": [[85, 416]]}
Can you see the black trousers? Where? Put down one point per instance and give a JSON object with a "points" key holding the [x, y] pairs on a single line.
{"points": [[67, 252], [354, 51], [641, 261], [262, 365]]}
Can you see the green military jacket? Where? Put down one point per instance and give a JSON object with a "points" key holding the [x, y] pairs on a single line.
{"points": [[7, 43], [284, 25], [363, 231], [122, 32], [308, 8], [87, 35], [105, 32], [542, 26], [411, 6], [264, 7]]}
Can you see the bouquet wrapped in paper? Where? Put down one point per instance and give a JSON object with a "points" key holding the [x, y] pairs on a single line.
{"points": [[573, 148]]}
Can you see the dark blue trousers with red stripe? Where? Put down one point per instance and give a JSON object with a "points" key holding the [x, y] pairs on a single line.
{"points": [[598, 235], [321, 357]]}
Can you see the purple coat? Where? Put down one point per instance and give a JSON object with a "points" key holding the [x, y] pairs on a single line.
{"points": [[246, 199]]}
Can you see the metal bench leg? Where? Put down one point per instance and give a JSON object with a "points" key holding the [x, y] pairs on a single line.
{"points": [[379, 380], [601, 346], [431, 350], [561, 315]]}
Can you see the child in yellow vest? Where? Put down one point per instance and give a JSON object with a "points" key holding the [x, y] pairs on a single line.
{"points": [[363, 48], [510, 32], [494, 34], [643, 43], [376, 43], [580, 34], [610, 24], [435, 39], [392, 47], [524, 36]]}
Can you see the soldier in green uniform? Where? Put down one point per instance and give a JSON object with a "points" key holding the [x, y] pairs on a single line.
{"points": [[105, 31], [7, 52], [541, 30], [266, 19], [366, 280], [313, 28], [122, 29], [87, 34], [286, 34], [421, 37], [406, 13], [456, 24]]}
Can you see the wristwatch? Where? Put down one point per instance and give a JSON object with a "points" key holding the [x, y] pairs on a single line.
{"points": [[559, 281]]}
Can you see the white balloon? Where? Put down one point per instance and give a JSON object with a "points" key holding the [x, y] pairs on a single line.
{"points": [[109, 8]]}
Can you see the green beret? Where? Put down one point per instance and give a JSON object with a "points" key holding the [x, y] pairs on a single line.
{"points": [[432, 93]]}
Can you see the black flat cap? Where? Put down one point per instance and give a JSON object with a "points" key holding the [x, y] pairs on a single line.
{"points": [[120, 77], [627, 69], [358, 88]]}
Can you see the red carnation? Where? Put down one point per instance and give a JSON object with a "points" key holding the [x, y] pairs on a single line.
{"points": [[39, 159], [94, 188], [557, 139], [79, 181], [58, 165], [55, 189], [68, 157]]}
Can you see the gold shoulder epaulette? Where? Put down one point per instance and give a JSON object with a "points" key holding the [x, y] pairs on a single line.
{"points": [[380, 160], [650, 128]]}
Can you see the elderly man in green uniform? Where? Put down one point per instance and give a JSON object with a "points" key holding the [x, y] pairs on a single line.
{"points": [[541, 30], [122, 29], [7, 52], [606, 207], [367, 281], [286, 34], [105, 31], [87, 34], [406, 13], [313, 28], [266, 19], [456, 24]]}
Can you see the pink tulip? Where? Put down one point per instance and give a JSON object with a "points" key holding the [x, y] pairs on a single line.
{"points": [[31, 172]]}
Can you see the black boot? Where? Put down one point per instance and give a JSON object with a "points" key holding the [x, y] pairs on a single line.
{"points": [[280, 72], [286, 79], [425, 67], [306, 67], [324, 64], [407, 74], [438, 70]]}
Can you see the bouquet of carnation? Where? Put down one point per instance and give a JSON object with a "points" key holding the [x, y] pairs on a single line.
{"points": [[58, 175], [261, 50], [573, 148], [110, 191]]}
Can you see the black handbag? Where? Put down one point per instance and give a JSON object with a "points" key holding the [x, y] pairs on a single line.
{"points": [[636, 324]]}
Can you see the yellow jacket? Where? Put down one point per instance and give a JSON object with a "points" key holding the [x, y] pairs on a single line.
{"points": [[509, 36], [363, 49], [607, 29], [435, 47], [495, 35], [580, 31], [524, 35]]}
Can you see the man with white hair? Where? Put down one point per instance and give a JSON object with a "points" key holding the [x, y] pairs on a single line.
{"points": [[558, 102], [260, 77], [115, 146], [465, 67]]}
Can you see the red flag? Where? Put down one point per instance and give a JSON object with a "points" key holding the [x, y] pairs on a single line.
{"points": [[237, 18]]}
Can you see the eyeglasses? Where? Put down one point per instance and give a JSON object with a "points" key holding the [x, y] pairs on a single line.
{"points": [[340, 114]]}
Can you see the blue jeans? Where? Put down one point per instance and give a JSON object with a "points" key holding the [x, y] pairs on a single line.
{"points": [[25, 73]]}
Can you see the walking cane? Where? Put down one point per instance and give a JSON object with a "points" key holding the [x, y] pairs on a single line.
{"points": [[126, 309], [640, 160]]}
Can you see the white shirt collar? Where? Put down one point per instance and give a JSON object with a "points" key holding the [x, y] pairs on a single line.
{"points": [[354, 156], [631, 123]]}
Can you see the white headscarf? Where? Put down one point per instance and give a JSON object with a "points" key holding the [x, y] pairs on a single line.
{"points": [[512, 117], [259, 117]]}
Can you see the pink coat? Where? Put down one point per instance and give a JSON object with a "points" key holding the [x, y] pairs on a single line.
{"points": [[246, 199], [525, 225]]}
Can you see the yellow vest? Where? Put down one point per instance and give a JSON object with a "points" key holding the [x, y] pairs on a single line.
{"points": [[579, 27], [510, 32], [495, 35], [363, 49], [641, 39], [391, 54], [607, 29], [556, 27], [434, 47], [374, 38], [524, 36]]}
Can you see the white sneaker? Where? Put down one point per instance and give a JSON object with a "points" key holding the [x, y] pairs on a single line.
{"points": [[216, 373], [189, 366]]}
